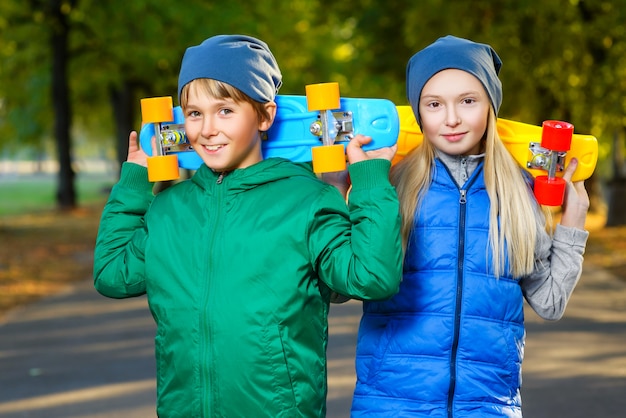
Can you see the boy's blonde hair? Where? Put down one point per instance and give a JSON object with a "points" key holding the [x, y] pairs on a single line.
{"points": [[221, 90], [512, 216]]}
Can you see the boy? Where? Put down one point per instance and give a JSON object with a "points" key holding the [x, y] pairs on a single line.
{"points": [[238, 263]]}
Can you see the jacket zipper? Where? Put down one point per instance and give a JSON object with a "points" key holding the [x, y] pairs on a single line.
{"points": [[459, 298], [206, 345], [459, 284]]}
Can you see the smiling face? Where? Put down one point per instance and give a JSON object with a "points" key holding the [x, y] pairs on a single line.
{"points": [[454, 110], [224, 131]]}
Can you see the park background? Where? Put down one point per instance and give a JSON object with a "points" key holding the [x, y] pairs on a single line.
{"points": [[72, 73]]}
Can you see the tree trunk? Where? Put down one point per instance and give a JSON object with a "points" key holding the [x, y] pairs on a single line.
{"points": [[66, 194], [616, 198], [616, 215], [123, 115]]}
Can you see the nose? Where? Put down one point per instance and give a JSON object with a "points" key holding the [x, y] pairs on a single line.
{"points": [[452, 117], [209, 128]]}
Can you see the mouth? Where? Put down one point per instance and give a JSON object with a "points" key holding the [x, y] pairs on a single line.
{"points": [[213, 148], [454, 137]]}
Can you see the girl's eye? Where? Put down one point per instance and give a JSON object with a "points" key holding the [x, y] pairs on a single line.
{"points": [[193, 113], [468, 100], [434, 104]]}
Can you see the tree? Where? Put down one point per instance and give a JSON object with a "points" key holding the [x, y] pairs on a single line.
{"points": [[22, 113], [565, 61], [57, 13]]}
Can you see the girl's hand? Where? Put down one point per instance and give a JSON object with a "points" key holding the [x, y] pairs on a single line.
{"points": [[356, 154], [576, 201], [135, 154]]}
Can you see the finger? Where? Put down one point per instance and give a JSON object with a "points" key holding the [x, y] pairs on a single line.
{"points": [[358, 141], [570, 169], [133, 145], [354, 150], [362, 139], [153, 144], [386, 153]]}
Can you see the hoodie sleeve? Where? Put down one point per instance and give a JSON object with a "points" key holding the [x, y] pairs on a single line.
{"points": [[119, 268], [558, 267], [360, 254]]}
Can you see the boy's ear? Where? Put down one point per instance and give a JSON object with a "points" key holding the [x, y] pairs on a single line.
{"points": [[265, 124]]}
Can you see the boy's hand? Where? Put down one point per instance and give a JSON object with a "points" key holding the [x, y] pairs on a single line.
{"points": [[356, 154], [135, 154], [576, 201]]}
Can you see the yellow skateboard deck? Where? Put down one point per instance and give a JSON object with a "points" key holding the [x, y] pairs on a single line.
{"points": [[518, 138]]}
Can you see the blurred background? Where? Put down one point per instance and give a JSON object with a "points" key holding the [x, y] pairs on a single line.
{"points": [[72, 72]]}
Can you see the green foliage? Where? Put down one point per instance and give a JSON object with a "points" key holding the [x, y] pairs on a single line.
{"points": [[562, 60], [25, 114]]}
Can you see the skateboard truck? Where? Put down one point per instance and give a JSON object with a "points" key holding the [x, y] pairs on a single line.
{"points": [[343, 126], [542, 158], [324, 97], [556, 139], [158, 111]]}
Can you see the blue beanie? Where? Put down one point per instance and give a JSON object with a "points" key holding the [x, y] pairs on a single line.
{"points": [[451, 52], [241, 61]]}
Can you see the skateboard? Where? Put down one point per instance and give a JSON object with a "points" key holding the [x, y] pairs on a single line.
{"points": [[313, 128], [544, 151]]}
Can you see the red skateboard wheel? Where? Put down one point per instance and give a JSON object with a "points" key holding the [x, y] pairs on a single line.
{"points": [[556, 135], [549, 192]]}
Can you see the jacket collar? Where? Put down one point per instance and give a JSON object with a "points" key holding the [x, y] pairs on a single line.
{"points": [[265, 171]]}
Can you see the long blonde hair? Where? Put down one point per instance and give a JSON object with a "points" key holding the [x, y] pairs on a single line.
{"points": [[512, 215]]}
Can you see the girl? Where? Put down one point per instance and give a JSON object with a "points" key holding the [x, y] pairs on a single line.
{"points": [[451, 342]]}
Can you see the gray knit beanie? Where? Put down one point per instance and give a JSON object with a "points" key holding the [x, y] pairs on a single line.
{"points": [[451, 52], [242, 61]]}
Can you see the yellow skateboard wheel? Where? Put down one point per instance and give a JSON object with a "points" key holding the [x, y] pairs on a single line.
{"points": [[323, 96], [157, 109], [328, 158], [163, 168]]}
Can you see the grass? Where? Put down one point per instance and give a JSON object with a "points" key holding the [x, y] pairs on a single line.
{"points": [[36, 193], [43, 250]]}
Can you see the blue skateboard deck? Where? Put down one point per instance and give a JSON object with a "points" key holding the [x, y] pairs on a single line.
{"points": [[291, 134]]}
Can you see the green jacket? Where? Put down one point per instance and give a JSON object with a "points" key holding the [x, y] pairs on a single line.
{"points": [[238, 271]]}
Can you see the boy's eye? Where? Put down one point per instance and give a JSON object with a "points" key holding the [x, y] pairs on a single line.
{"points": [[226, 111], [193, 113]]}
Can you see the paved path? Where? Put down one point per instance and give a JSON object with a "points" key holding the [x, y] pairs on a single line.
{"points": [[80, 355]]}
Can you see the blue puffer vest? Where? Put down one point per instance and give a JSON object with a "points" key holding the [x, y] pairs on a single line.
{"points": [[451, 342]]}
